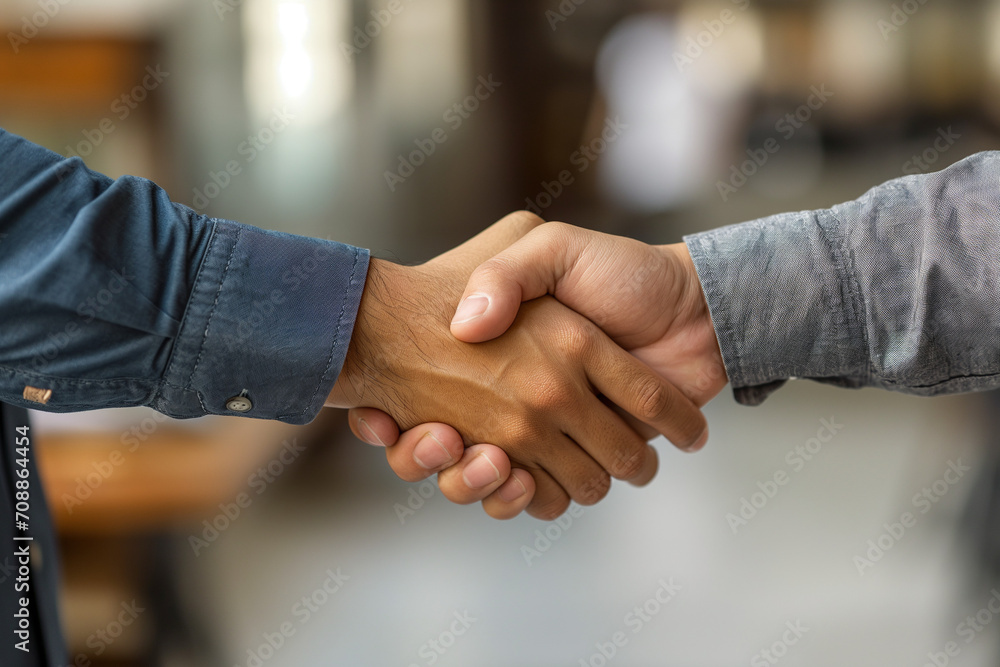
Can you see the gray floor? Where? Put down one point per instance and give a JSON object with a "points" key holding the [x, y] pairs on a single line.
{"points": [[793, 563]]}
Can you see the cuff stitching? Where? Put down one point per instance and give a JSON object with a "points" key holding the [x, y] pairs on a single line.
{"points": [[158, 393], [336, 336], [848, 273], [719, 311], [211, 313]]}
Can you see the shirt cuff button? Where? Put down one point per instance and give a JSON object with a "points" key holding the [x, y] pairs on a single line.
{"points": [[239, 404]]}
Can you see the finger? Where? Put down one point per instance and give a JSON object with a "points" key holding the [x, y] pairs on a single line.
{"points": [[550, 499], [425, 450], [648, 397], [512, 497], [373, 426], [622, 452], [575, 470], [482, 470], [646, 431], [608, 440], [649, 470], [489, 242], [529, 268]]}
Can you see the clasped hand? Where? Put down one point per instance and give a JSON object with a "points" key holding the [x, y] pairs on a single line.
{"points": [[612, 345]]}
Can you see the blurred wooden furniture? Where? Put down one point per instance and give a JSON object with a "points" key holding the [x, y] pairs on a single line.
{"points": [[117, 508], [97, 486]]}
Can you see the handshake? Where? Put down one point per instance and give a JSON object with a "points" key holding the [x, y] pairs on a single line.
{"points": [[569, 350]]}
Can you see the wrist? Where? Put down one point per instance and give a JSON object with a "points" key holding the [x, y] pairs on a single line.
{"points": [[361, 381], [692, 306], [695, 327]]}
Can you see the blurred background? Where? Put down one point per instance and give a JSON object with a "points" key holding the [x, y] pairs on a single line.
{"points": [[406, 126]]}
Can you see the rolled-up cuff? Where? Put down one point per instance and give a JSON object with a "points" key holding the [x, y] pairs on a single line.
{"points": [[781, 302], [267, 326]]}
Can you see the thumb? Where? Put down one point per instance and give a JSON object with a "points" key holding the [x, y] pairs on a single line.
{"points": [[530, 268]]}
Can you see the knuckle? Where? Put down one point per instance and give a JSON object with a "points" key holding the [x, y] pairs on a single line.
{"points": [[525, 221], [576, 340], [593, 490], [489, 268], [523, 435], [553, 234], [550, 395], [499, 269], [653, 401]]}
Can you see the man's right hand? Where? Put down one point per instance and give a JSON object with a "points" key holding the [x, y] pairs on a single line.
{"points": [[648, 299]]}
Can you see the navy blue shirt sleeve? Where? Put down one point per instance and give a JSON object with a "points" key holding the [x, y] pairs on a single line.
{"points": [[111, 295], [899, 289]]}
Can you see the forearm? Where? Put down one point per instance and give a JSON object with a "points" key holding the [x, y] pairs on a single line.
{"points": [[111, 295], [897, 289]]}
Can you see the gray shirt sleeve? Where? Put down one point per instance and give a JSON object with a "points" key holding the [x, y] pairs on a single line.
{"points": [[899, 289]]}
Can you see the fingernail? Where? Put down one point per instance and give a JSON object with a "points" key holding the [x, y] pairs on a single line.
{"points": [[472, 307], [430, 454], [512, 490], [368, 434], [698, 445], [480, 472]]}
